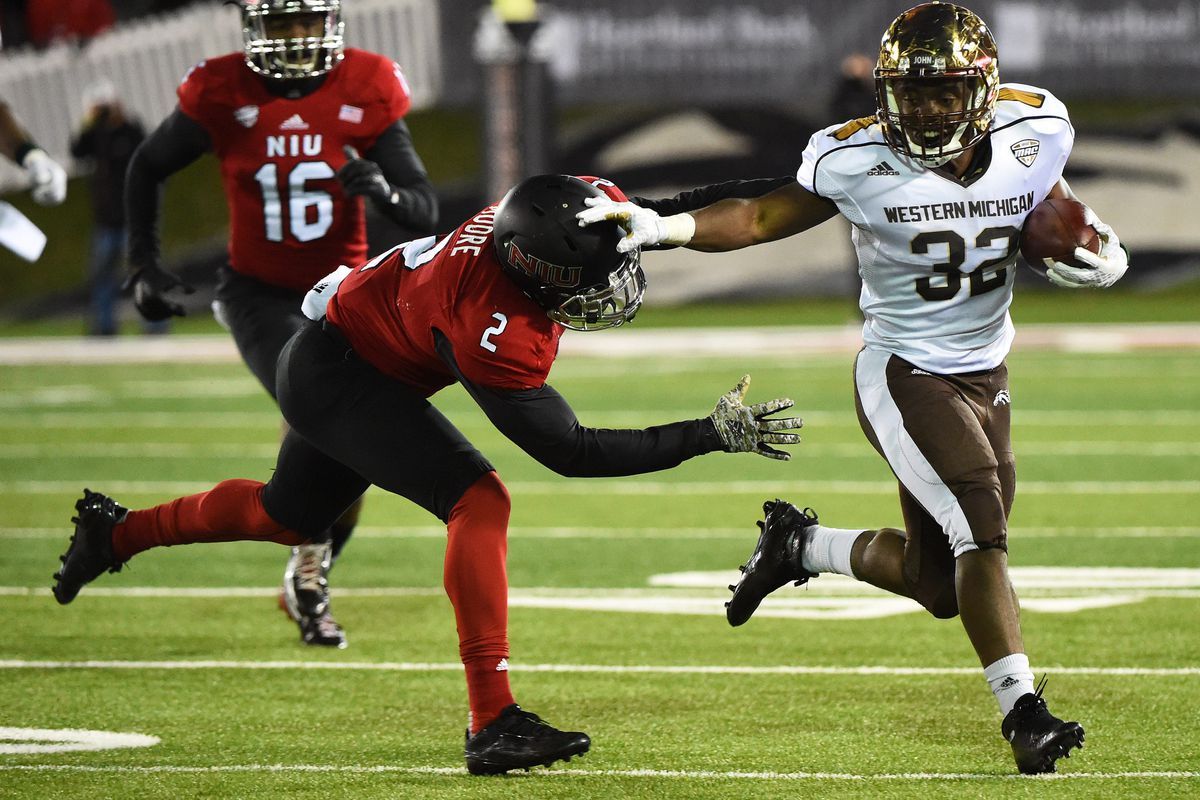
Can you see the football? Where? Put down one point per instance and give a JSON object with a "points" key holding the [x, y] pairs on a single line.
{"points": [[1053, 229]]}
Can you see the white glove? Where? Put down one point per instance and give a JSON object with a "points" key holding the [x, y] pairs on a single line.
{"points": [[48, 177], [643, 226], [1104, 268], [744, 429]]}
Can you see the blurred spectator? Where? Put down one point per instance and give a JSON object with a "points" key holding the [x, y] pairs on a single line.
{"points": [[107, 138], [50, 20], [854, 94]]}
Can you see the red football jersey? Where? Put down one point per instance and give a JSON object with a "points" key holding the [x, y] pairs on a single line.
{"points": [[389, 307], [290, 223]]}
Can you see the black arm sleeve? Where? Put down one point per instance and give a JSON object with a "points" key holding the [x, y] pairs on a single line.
{"points": [[174, 144], [695, 199], [542, 423], [415, 203]]}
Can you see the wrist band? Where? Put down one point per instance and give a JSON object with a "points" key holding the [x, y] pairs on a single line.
{"points": [[679, 229]]}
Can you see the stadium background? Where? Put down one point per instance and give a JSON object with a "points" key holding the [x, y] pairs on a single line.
{"points": [[657, 96]]}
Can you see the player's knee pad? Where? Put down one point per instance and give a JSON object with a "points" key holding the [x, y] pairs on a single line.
{"points": [[983, 508]]}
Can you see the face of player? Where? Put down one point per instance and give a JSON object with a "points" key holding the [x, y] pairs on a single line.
{"points": [[295, 26], [933, 109]]}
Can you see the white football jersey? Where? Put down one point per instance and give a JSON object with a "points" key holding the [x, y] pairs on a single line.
{"points": [[938, 258]]}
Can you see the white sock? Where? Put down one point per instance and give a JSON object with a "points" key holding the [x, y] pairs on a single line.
{"points": [[1010, 678], [828, 550]]}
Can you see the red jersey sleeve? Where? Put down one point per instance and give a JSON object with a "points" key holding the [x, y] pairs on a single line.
{"points": [[192, 91], [507, 351], [377, 86]]}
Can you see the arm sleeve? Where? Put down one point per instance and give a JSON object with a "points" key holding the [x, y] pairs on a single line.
{"points": [[414, 203], [695, 199], [542, 423], [174, 144]]}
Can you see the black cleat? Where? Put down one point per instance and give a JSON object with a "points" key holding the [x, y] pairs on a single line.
{"points": [[518, 739], [90, 552], [1039, 738], [775, 560], [305, 595]]}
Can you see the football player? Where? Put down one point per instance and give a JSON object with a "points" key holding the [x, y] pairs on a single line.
{"points": [[288, 117], [484, 307], [936, 187]]}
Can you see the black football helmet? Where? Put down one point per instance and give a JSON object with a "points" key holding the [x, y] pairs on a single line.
{"points": [[936, 82], [575, 273], [272, 46]]}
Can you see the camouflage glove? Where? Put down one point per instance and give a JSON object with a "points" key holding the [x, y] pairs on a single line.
{"points": [[745, 429]]}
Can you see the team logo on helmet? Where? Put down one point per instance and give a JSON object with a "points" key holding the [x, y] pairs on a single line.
{"points": [[1026, 151], [543, 271]]}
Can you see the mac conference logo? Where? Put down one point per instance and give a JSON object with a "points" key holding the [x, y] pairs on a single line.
{"points": [[1026, 151]]}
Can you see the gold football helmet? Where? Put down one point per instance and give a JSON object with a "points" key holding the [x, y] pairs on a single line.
{"points": [[288, 39], [936, 82]]}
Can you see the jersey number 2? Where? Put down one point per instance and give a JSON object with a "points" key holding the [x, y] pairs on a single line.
{"points": [[300, 199], [956, 251], [497, 329]]}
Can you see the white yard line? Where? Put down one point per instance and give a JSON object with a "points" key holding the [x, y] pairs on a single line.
{"points": [[104, 419], [649, 488], [674, 342], [572, 772], [217, 449], [634, 669], [687, 534]]}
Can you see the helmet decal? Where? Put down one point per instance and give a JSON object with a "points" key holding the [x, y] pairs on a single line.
{"points": [[543, 271]]}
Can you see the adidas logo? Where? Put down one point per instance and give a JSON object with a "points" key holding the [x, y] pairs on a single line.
{"points": [[293, 123], [1002, 398], [502, 666], [1008, 682], [916, 371], [883, 168]]}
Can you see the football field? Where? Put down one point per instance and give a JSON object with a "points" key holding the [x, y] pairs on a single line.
{"points": [[193, 683]]}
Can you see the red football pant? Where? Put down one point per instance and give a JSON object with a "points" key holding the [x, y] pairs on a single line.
{"points": [[231, 511], [476, 581]]}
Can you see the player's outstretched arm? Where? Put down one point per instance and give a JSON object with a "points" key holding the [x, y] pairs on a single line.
{"points": [[730, 224], [1103, 269], [174, 144], [47, 178], [543, 424]]}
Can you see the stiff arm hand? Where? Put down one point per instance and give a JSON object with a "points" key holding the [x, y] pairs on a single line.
{"points": [[643, 226], [746, 429]]}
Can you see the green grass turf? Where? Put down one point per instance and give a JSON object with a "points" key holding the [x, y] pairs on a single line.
{"points": [[152, 431]]}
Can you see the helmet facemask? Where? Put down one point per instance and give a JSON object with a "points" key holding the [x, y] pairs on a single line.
{"points": [[933, 120], [607, 306], [276, 48], [936, 82]]}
